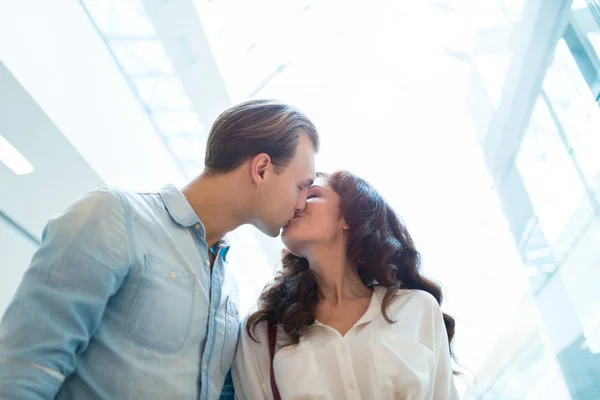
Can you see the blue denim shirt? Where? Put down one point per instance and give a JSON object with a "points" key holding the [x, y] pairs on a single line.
{"points": [[119, 302]]}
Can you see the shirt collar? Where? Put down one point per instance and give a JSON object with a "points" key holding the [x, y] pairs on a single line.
{"points": [[222, 244], [178, 206], [374, 309], [182, 213]]}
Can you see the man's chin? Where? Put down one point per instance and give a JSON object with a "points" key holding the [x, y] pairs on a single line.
{"points": [[267, 230], [272, 232]]}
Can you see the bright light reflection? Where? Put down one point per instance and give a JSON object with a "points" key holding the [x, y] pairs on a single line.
{"points": [[13, 159]]}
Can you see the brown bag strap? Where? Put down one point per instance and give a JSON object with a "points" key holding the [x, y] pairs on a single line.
{"points": [[272, 341]]}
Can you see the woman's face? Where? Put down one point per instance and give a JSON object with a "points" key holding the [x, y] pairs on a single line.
{"points": [[319, 223]]}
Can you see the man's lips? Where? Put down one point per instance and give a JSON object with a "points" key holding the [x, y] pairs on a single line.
{"points": [[292, 220]]}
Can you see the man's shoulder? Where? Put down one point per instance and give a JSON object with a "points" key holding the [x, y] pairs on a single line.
{"points": [[128, 196], [101, 200], [128, 200], [106, 202], [95, 214], [108, 195]]}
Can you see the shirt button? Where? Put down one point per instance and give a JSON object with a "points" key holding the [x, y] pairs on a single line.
{"points": [[197, 226], [206, 262], [205, 367], [342, 350]]}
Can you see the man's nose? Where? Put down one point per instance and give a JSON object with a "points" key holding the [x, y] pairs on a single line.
{"points": [[301, 204]]}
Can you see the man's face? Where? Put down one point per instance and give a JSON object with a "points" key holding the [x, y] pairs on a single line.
{"points": [[286, 191]]}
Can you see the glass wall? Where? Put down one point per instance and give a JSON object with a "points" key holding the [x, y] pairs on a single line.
{"points": [[558, 161]]}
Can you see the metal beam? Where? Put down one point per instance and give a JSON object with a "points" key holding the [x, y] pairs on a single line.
{"points": [[179, 27], [523, 83], [19, 228]]}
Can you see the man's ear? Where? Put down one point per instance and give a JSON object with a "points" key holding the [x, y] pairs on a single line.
{"points": [[344, 225], [260, 166]]}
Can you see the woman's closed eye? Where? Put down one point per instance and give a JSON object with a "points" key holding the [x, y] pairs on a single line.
{"points": [[315, 191]]}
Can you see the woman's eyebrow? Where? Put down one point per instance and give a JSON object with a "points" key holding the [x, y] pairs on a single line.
{"points": [[318, 186]]}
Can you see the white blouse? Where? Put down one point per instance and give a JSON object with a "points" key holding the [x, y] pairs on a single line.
{"points": [[407, 360]]}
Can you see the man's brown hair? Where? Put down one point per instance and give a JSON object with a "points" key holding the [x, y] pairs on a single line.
{"points": [[253, 127]]}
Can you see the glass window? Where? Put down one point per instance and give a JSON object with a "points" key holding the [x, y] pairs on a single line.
{"points": [[142, 56], [569, 94], [120, 17], [162, 92], [575, 107], [549, 175], [531, 371], [137, 49], [559, 164]]}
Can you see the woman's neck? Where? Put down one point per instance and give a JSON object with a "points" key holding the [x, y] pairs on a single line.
{"points": [[338, 280]]}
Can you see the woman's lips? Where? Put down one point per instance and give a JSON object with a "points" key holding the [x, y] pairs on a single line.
{"points": [[292, 220]]}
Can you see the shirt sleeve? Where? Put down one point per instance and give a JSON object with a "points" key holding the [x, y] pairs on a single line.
{"points": [[443, 387], [251, 365], [81, 263]]}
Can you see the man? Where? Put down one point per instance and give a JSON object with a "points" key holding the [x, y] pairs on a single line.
{"points": [[129, 296]]}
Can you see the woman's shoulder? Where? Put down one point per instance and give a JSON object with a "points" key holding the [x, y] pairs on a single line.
{"points": [[257, 331], [257, 336], [414, 301]]}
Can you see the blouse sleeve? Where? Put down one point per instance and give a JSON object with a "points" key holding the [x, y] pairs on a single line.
{"points": [[444, 387], [250, 370]]}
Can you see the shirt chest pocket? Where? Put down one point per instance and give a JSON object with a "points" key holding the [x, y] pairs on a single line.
{"points": [[232, 328], [298, 374], [403, 365], [161, 311]]}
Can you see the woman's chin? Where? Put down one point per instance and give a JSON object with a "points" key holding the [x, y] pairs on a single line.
{"points": [[288, 228], [287, 232], [294, 243], [289, 238]]}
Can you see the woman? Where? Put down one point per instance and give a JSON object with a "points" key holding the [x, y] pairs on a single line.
{"points": [[354, 317]]}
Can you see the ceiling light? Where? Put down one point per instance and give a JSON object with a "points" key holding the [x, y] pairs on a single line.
{"points": [[14, 160]]}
